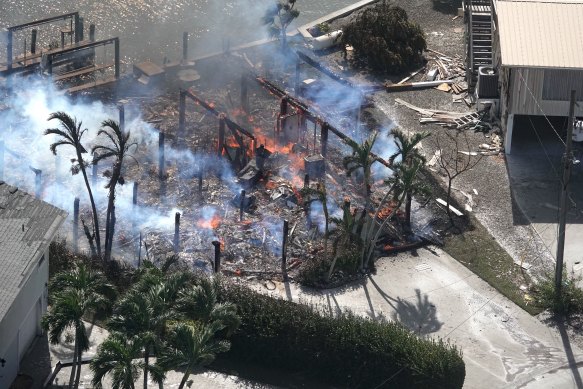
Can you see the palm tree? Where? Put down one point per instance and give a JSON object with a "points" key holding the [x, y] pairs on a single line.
{"points": [[75, 294], [191, 345], [117, 356], [145, 310], [201, 303], [361, 158], [404, 184], [119, 148], [347, 237], [70, 133], [407, 150]]}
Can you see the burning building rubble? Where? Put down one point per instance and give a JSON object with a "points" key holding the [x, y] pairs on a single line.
{"points": [[211, 167]]}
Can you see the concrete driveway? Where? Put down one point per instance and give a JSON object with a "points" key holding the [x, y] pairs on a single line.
{"points": [[435, 296]]}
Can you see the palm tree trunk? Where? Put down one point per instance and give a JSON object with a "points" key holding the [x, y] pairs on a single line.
{"points": [[108, 226], [146, 365], [74, 364], [408, 202], [78, 373], [185, 378], [93, 208]]}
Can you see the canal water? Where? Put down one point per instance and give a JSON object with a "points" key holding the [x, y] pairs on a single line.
{"points": [[152, 29]]}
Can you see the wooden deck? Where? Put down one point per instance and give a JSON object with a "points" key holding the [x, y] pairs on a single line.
{"points": [[83, 71]]}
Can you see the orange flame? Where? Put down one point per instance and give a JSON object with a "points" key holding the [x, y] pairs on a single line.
{"points": [[211, 223]]}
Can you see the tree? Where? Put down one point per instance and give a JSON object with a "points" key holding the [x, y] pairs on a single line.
{"points": [[361, 158], [191, 345], [70, 133], [455, 158], [407, 150], [346, 236], [119, 147], [384, 39], [278, 18], [144, 311], [201, 303], [117, 356], [75, 294]]}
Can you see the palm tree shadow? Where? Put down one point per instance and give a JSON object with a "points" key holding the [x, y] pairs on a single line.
{"points": [[419, 316]]}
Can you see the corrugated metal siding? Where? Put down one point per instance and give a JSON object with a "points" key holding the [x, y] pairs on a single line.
{"points": [[526, 95], [558, 83], [541, 34]]}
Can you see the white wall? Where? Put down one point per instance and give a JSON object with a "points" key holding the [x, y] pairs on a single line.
{"points": [[34, 288]]}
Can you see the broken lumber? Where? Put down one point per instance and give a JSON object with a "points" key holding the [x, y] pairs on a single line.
{"points": [[453, 209], [415, 85]]}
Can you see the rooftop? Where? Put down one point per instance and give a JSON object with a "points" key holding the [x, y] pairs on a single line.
{"points": [[27, 227], [541, 33]]}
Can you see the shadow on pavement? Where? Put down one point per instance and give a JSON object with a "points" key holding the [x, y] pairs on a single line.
{"points": [[569, 353], [419, 316], [535, 171]]}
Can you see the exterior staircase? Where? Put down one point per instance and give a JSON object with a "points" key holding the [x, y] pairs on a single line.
{"points": [[478, 15]]}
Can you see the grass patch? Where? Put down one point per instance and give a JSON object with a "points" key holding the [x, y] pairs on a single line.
{"points": [[477, 250]]}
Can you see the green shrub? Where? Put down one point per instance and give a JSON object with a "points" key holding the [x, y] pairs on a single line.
{"points": [[571, 301], [345, 351], [384, 39]]}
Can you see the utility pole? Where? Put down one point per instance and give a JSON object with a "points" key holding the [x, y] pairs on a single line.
{"points": [[563, 206]]}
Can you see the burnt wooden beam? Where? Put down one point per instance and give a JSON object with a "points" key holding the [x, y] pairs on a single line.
{"points": [[176, 232], [335, 76], [231, 124], [309, 113], [161, 161], [181, 115], [284, 250], [217, 264], [221, 136]]}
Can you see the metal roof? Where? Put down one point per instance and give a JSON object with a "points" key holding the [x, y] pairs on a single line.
{"points": [[27, 227], [544, 34]]}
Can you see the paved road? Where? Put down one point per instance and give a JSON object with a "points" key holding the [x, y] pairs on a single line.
{"points": [[436, 296]]}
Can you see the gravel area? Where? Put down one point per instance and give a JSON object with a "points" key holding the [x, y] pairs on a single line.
{"points": [[495, 207]]}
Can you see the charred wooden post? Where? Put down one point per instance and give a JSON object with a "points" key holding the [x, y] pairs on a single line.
{"points": [[200, 176], [33, 41], [9, 50], [77, 27], [177, 232], [161, 168], [221, 135], [244, 94], [324, 140], [1, 159], [76, 225], [297, 78], [116, 59], [184, 47], [122, 115], [37, 181], [282, 113], [181, 115], [92, 32], [306, 180], [284, 250], [217, 264], [242, 205], [81, 30], [94, 171]]}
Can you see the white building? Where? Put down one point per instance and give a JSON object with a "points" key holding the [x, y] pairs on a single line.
{"points": [[27, 227], [538, 52]]}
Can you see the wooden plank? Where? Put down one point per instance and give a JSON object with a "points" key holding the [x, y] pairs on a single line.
{"points": [[83, 71], [89, 85]]}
